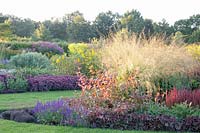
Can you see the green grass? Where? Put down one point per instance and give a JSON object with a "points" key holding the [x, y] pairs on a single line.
{"points": [[29, 99], [14, 127]]}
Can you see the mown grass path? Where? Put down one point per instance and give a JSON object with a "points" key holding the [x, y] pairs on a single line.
{"points": [[29, 99]]}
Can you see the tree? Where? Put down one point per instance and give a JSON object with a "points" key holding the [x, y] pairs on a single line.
{"points": [[79, 32], [184, 26], [22, 27], [195, 37], [74, 17], [133, 21], [148, 27], [42, 33], [78, 29], [195, 22], [3, 18], [105, 23], [5, 30], [57, 29], [163, 28]]}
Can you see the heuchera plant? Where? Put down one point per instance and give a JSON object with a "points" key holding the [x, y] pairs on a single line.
{"points": [[52, 82]]}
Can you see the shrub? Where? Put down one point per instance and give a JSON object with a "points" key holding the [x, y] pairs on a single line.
{"points": [[180, 111], [17, 45], [20, 45], [194, 50], [85, 57], [13, 83], [2, 86], [17, 83], [47, 48], [103, 90], [179, 96], [31, 60], [60, 112], [7, 53], [30, 72], [49, 82], [64, 64]]}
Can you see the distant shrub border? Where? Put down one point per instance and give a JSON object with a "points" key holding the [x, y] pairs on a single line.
{"points": [[39, 83]]}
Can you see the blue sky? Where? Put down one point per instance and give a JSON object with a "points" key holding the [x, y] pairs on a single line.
{"points": [[40, 10]]}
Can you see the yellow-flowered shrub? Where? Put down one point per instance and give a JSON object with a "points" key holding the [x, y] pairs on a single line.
{"points": [[85, 56], [64, 64], [194, 50]]}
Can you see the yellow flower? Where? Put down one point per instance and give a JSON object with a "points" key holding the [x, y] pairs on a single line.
{"points": [[63, 57], [58, 61], [78, 60]]}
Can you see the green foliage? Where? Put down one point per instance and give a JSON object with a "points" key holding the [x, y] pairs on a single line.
{"points": [[2, 86], [177, 80], [26, 72], [22, 27], [31, 59], [79, 32], [195, 37], [16, 45], [50, 117], [64, 64], [5, 31], [163, 28], [56, 28], [148, 28], [133, 21], [17, 83], [7, 53], [42, 33], [179, 111], [105, 23], [86, 57]]}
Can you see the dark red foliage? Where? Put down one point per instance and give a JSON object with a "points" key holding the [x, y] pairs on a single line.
{"points": [[49, 82], [132, 121], [180, 96]]}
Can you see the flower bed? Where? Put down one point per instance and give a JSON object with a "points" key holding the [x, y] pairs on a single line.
{"points": [[73, 112]]}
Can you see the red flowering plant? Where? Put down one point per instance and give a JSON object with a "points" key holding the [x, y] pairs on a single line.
{"points": [[179, 96]]}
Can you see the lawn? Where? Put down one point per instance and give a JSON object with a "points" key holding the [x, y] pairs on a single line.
{"points": [[29, 99]]}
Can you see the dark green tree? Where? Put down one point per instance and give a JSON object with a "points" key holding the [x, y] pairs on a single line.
{"points": [[195, 37], [133, 21], [105, 23], [163, 28], [22, 27], [57, 29], [148, 28]]}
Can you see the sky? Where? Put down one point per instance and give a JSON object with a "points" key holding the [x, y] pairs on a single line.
{"points": [[40, 10]]}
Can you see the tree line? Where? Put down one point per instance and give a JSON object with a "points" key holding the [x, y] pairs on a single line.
{"points": [[73, 27]]}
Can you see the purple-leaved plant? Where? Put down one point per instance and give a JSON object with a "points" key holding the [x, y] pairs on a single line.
{"points": [[52, 82]]}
